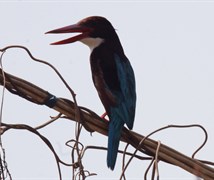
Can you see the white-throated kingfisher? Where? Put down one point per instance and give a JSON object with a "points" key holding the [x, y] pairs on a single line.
{"points": [[112, 75]]}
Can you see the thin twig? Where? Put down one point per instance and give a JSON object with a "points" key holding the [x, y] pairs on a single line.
{"points": [[3, 90], [48, 122], [148, 168], [3, 160], [156, 171], [123, 161], [44, 139]]}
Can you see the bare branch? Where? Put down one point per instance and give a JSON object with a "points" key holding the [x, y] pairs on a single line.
{"points": [[93, 122]]}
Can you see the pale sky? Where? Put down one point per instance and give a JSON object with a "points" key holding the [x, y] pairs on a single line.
{"points": [[170, 45]]}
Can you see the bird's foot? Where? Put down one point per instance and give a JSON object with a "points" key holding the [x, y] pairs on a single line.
{"points": [[103, 116]]}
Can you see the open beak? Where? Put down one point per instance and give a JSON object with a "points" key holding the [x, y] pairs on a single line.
{"points": [[76, 28]]}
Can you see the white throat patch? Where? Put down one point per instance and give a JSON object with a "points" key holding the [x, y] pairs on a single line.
{"points": [[92, 42]]}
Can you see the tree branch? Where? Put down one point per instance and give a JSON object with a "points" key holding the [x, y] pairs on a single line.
{"points": [[92, 121]]}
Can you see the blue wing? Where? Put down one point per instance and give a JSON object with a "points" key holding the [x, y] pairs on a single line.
{"points": [[126, 97]]}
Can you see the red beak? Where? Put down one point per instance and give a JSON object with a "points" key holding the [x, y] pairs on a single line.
{"points": [[69, 29]]}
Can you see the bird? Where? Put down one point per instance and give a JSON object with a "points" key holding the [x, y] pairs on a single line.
{"points": [[112, 75]]}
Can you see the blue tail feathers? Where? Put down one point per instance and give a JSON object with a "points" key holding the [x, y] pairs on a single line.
{"points": [[115, 128]]}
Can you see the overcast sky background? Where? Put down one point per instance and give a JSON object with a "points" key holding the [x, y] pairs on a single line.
{"points": [[170, 45]]}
